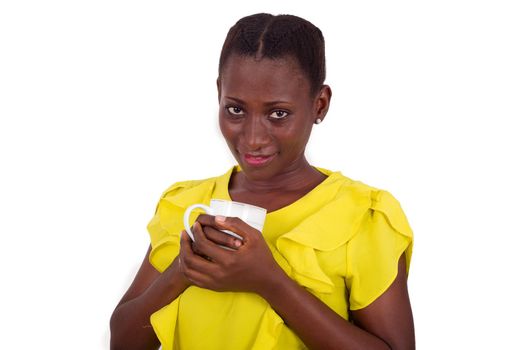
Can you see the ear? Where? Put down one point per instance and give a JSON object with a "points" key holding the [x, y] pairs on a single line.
{"points": [[322, 102], [219, 89]]}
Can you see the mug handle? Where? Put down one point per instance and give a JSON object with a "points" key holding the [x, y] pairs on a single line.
{"points": [[188, 211]]}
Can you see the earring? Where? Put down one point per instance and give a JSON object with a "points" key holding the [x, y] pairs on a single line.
{"points": [[318, 121]]}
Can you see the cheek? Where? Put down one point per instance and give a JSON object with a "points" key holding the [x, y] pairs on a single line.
{"points": [[294, 139], [223, 126], [228, 130]]}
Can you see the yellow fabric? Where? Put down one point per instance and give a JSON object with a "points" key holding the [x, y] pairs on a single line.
{"points": [[342, 238]]}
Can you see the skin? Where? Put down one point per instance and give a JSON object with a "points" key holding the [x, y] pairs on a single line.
{"points": [[266, 109]]}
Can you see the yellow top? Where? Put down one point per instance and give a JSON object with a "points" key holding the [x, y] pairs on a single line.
{"points": [[342, 238]]}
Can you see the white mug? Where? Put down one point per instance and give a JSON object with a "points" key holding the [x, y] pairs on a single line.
{"points": [[252, 215]]}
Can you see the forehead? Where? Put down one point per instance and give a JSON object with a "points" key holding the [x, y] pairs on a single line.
{"points": [[270, 79]]}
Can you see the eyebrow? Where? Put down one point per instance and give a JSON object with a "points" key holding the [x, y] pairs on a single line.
{"points": [[271, 103]]}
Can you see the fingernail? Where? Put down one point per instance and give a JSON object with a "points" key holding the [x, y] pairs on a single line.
{"points": [[221, 219]]}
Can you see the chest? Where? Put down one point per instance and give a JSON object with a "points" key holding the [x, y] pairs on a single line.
{"points": [[270, 201]]}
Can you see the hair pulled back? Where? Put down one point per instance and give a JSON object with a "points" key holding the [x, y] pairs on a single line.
{"points": [[263, 35]]}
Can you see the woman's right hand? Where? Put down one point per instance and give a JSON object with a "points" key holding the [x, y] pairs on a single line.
{"points": [[248, 266]]}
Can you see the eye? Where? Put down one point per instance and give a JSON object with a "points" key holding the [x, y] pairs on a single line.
{"points": [[235, 111], [278, 114]]}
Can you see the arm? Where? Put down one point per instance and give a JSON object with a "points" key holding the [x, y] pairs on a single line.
{"points": [[149, 291], [385, 324]]}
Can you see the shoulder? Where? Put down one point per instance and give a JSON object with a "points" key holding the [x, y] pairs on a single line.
{"points": [[181, 186], [350, 201], [368, 196], [380, 236], [165, 226], [197, 186], [347, 190], [371, 214]]}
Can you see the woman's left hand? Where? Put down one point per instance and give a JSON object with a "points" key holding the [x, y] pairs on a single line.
{"points": [[248, 267]]}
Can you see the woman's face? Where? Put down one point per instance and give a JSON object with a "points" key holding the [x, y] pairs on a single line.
{"points": [[266, 114]]}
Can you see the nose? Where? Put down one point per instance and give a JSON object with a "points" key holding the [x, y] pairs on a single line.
{"points": [[255, 132]]}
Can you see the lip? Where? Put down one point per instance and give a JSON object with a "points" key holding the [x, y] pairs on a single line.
{"points": [[257, 160]]}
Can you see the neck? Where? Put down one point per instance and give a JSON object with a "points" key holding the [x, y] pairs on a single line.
{"points": [[295, 178]]}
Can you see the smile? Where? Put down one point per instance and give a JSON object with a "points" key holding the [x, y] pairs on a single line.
{"points": [[258, 160]]}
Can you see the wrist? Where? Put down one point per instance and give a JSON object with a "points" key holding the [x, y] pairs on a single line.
{"points": [[275, 285], [175, 276]]}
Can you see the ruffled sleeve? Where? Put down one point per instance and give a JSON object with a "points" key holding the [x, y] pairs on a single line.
{"points": [[165, 227], [373, 254], [329, 227]]}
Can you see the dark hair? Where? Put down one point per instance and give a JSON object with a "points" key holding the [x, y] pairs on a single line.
{"points": [[266, 36]]}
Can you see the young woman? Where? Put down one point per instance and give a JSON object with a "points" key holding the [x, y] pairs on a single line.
{"points": [[329, 269]]}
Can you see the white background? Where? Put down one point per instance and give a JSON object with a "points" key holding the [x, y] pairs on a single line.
{"points": [[104, 104]]}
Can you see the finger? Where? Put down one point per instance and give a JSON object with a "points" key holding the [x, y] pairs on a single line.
{"points": [[221, 238], [190, 259], [206, 220], [187, 246], [215, 235], [198, 279], [185, 242], [204, 246], [235, 225]]}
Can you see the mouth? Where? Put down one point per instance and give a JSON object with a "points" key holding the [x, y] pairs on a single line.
{"points": [[257, 160]]}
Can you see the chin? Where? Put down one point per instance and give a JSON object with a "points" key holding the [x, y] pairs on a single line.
{"points": [[257, 173]]}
